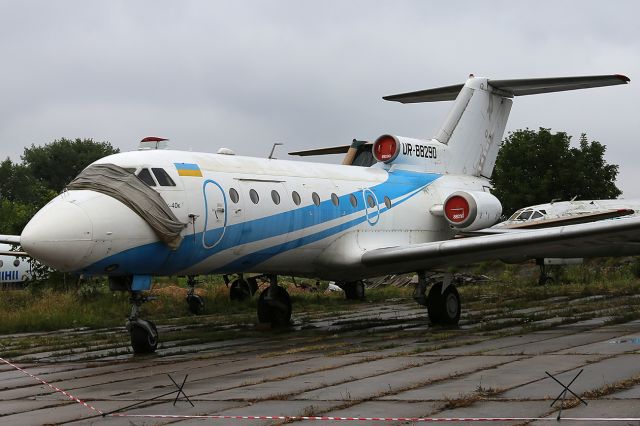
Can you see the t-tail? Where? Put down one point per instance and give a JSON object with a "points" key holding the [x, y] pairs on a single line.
{"points": [[474, 128]]}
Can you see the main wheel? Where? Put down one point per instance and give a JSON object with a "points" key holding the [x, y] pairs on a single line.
{"points": [[443, 308], [241, 290], [195, 304], [274, 306], [142, 341], [353, 290]]}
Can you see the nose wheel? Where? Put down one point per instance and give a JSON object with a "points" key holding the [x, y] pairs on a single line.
{"points": [[144, 334], [274, 305]]}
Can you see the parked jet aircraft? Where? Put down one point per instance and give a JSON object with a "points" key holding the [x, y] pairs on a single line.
{"points": [[134, 215], [568, 212], [571, 212]]}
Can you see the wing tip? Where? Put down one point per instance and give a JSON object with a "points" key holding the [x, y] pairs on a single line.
{"points": [[623, 78]]}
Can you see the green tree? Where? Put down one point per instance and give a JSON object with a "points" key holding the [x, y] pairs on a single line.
{"points": [[537, 167], [57, 163], [43, 173]]}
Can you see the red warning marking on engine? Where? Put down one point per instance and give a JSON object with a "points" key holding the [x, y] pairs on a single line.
{"points": [[456, 209]]}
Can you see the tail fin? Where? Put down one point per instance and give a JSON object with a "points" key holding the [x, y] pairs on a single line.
{"points": [[475, 125]]}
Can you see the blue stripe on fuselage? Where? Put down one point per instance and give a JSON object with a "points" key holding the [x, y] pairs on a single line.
{"points": [[158, 259]]}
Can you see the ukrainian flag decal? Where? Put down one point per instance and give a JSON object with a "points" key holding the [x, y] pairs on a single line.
{"points": [[188, 169]]}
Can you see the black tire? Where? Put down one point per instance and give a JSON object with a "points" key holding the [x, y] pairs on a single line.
{"points": [[443, 308], [274, 308], [195, 304], [353, 290], [240, 290], [142, 341]]}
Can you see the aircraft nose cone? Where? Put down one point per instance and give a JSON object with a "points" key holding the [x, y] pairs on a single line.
{"points": [[60, 236]]}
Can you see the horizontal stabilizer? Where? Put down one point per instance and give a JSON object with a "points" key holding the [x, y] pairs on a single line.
{"points": [[510, 88], [323, 151]]}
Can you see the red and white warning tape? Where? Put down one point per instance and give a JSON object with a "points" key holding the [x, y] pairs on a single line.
{"points": [[327, 418], [68, 395]]}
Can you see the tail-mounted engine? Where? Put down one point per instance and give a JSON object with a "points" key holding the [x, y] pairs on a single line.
{"points": [[390, 149], [471, 210]]}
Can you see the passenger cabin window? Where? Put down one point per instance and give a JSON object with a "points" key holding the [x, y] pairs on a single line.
{"points": [[275, 197], [146, 177], [233, 194], [163, 177], [296, 198], [353, 200], [370, 201], [316, 198], [253, 194], [335, 200]]}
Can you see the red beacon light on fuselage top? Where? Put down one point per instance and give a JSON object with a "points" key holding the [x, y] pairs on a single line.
{"points": [[153, 142]]}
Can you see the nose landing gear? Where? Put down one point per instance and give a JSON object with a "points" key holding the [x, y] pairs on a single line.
{"points": [[144, 334]]}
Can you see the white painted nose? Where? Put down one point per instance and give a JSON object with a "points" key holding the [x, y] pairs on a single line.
{"points": [[60, 235]]}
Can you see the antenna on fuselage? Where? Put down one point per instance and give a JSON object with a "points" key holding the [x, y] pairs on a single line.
{"points": [[273, 148]]}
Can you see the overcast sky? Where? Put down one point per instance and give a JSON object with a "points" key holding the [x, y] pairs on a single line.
{"points": [[245, 74]]}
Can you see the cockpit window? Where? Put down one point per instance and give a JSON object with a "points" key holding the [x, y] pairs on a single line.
{"points": [[536, 215], [131, 170], [525, 215], [163, 177], [146, 177]]}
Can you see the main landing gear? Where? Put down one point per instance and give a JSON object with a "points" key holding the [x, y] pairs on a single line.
{"points": [[274, 304], [353, 290], [442, 302], [144, 334], [241, 289]]}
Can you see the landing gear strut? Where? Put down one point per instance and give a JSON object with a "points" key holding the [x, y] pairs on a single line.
{"points": [[443, 301], [194, 302], [144, 334], [274, 304]]}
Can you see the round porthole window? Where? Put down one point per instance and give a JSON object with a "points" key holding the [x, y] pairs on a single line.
{"points": [[387, 202], [275, 197], [253, 194], [316, 198], [296, 198], [233, 194], [353, 200], [335, 200]]}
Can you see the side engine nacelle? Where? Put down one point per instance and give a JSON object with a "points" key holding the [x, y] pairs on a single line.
{"points": [[471, 210]]}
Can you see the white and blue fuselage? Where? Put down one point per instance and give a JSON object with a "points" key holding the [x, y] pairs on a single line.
{"points": [[245, 214]]}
